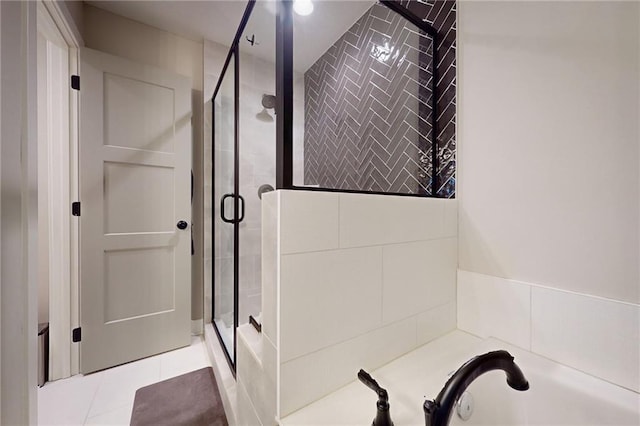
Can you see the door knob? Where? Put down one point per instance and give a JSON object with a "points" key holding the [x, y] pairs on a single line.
{"points": [[182, 224]]}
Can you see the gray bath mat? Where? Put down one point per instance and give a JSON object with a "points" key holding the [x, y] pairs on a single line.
{"points": [[188, 400]]}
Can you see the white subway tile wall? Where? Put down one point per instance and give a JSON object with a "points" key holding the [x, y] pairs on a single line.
{"points": [[309, 222], [257, 374], [435, 322], [332, 305], [270, 263], [367, 220], [308, 378], [595, 335], [247, 415], [494, 307], [418, 276], [372, 279], [328, 297]]}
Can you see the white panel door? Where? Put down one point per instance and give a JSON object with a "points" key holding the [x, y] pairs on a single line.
{"points": [[135, 186]]}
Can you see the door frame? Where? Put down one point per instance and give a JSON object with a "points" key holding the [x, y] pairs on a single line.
{"points": [[67, 312]]}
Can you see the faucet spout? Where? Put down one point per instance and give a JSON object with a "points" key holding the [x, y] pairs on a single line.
{"points": [[438, 411]]}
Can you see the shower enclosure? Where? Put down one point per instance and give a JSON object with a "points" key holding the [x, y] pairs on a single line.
{"points": [[344, 99], [244, 140]]}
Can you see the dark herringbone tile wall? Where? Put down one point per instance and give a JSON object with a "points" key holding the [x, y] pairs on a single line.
{"points": [[367, 105]]}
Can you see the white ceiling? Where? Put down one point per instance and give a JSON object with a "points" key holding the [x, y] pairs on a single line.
{"points": [[218, 20]]}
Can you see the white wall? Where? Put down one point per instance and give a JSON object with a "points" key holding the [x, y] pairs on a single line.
{"points": [[18, 261], [548, 152], [75, 8], [549, 185], [123, 37], [140, 42]]}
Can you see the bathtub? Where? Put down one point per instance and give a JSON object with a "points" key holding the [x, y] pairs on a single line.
{"points": [[558, 395]]}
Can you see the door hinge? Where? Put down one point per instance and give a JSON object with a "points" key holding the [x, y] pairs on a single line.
{"points": [[75, 82], [75, 208], [76, 335]]}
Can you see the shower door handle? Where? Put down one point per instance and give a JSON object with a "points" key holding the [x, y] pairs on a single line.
{"points": [[241, 218], [222, 216]]}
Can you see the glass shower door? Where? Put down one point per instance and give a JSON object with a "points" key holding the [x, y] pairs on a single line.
{"points": [[257, 151], [225, 217]]}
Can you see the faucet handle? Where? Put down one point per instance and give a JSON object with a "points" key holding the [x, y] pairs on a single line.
{"points": [[370, 382], [430, 409], [382, 416]]}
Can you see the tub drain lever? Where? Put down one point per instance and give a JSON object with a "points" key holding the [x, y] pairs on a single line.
{"points": [[383, 418]]}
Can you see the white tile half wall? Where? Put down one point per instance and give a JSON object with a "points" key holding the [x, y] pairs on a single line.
{"points": [[595, 335], [361, 280]]}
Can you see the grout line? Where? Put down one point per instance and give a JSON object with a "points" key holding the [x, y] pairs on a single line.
{"points": [[559, 362], [373, 330], [115, 408], [241, 388], [278, 260], [339, 221], [268, 339], [382, 285], [93, 399], [550, 288], [457, 299], [530, 319], [452, 237]]}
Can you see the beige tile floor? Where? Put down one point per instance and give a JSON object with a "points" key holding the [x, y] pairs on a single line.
{"points": [[106, 397]]}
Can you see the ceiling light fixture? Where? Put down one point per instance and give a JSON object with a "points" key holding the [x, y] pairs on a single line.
{"points": [[303, 7]]}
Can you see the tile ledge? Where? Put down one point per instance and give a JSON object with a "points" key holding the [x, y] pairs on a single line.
{"points": [[548, 287], [252, 340]]}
